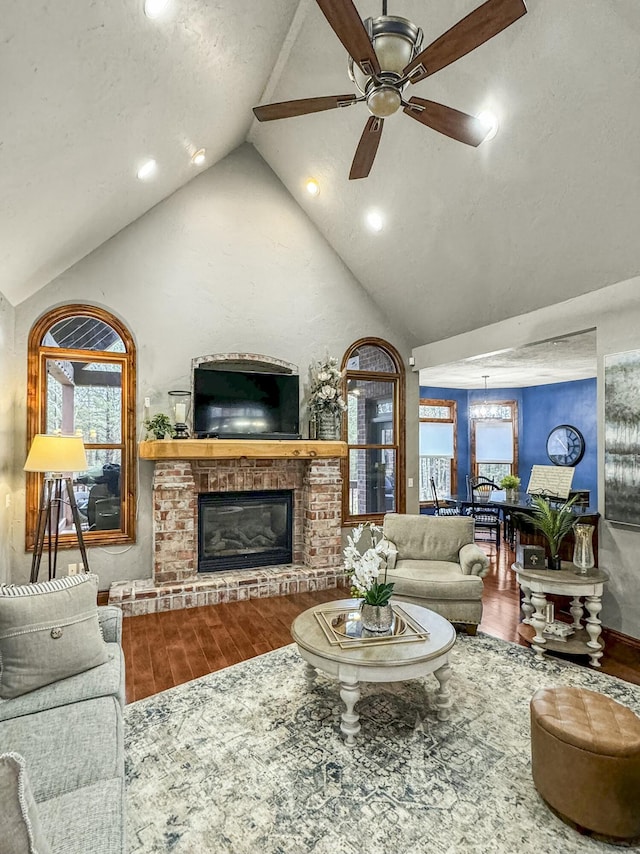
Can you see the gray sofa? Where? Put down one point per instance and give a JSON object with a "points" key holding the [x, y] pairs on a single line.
{"points": [[70, 734], [434, 562]]}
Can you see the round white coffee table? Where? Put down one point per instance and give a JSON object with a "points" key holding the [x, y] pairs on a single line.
{"points": [[376, 662]]}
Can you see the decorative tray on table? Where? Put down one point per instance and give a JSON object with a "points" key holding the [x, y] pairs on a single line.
{"points": [[344, 628]]}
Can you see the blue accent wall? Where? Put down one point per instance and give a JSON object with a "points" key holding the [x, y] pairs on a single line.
{"points": [[540, 409], [547, 406]]}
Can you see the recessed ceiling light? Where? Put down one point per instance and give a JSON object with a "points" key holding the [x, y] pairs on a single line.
{"points": [[146, 170], [375, 221], [490, 121], [313, 188], [199, 157], [155, 8]]}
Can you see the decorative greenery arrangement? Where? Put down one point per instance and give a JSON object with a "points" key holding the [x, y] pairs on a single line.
{"points": [[510, 481], [158, 426], [364, 567], [325, 393], [554, 523]]}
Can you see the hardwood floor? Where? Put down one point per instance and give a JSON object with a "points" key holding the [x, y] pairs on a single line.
{"points": [[166, 649]]}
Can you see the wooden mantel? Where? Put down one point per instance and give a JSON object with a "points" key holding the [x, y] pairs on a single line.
{"points": [[233, 449]]}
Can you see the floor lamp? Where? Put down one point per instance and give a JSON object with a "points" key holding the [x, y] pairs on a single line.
{"points": [[55, 456]]}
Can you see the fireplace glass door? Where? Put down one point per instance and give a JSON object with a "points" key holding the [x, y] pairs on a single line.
{"points": [[244, 529]]}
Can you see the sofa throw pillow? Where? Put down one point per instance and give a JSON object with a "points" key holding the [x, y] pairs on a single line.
{"points": [[48, 631], [21, 832]]}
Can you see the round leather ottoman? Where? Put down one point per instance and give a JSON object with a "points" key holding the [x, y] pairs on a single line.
{"points": [[585, 759]]}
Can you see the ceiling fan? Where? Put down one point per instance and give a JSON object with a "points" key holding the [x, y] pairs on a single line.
{"points": [[385, 54]]}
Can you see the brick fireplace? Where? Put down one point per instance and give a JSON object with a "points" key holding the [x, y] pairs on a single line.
{"points": [[316, 484]]}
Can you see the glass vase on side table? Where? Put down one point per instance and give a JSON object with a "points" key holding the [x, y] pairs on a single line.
{"points": [[583, 557]]}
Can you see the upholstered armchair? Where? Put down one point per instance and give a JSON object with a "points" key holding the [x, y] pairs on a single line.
{"points": [[433, 561]]}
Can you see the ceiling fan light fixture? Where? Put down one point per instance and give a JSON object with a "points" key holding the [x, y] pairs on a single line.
{"points": [[395, 42], [490, 121], [383, 101], [385, 56]]}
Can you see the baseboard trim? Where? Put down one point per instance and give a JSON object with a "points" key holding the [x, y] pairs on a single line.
{"points": [[613, 636]]}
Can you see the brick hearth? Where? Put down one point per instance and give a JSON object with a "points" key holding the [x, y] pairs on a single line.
{"points": [[317, 551]]}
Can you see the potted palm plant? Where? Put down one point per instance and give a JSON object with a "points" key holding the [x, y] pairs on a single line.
{"points": [[554, 523]]}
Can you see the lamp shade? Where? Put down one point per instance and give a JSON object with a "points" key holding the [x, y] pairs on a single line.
{"points": [[56, 454]]}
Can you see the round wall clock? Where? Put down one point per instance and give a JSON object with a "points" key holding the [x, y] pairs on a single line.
{"points": [[565, 445]]}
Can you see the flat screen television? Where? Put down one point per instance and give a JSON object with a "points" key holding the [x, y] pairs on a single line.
{"points": [[245, 405]]}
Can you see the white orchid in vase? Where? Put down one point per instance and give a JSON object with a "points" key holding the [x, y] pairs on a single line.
{"points": [[365, 567]]}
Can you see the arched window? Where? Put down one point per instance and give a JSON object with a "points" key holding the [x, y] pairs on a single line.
{"points": [[81, 381], [374, 471]]}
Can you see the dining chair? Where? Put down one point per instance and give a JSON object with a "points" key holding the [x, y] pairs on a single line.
{"points": [[442, 509], [487, 518]]}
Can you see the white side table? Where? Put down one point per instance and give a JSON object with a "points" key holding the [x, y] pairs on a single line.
{"points": [[536, 583]]}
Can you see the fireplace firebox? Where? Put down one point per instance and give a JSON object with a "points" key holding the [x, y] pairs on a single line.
{"points": [[241, 530]]}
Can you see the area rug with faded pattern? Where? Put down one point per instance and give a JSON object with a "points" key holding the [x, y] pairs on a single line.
{"points": [[249, 761]]}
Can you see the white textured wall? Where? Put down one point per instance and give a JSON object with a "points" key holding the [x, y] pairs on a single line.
{"points": [[614, 312], [7, 449], [228, 263]]}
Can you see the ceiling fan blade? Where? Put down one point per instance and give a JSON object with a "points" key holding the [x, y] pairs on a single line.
{"points": [[367, 148], [347, 24], [479, 26], [288, 109], [446, 120]]}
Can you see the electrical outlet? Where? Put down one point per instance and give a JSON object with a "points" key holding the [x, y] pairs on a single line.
{"points": [[147, 402], [72, 569], [410, 482], [80, 568]]}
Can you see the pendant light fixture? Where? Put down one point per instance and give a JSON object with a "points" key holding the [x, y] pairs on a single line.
{"points": [[485, 409]]}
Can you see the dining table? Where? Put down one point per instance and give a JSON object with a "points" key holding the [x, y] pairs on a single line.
{"points": [[521, 502]]}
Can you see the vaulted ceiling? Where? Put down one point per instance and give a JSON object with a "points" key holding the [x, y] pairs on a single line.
{"points": [[547, 210]]}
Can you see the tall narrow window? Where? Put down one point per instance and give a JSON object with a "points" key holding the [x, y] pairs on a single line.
{"points": [[494, 439], [438, 461], [82, 382], [373, 472]]}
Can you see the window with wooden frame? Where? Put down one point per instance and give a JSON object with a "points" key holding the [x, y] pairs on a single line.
{"points": [[374, 428], [438, 448], [494, 439], [82, 382]]}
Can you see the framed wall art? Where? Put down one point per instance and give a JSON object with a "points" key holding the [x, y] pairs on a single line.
{"points": [[622, 437]]}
